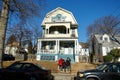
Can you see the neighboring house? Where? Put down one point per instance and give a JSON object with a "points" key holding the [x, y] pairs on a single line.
{"points": [[60, 36], [84, 52], [11, 48], [103, 44]]}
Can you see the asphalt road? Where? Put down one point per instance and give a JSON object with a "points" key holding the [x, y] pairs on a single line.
{"points": [[62, 76]]}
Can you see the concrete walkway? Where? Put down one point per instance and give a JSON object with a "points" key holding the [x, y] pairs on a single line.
{"points": [[62, 76]]}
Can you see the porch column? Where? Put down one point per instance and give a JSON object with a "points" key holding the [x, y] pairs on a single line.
{"points": [[39, 46], [75, 46], [48, 31], [76, 51], [38, 50], [58, 47]]}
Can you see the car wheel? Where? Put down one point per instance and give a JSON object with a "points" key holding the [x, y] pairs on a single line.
{"points": [[76, 78], [52, 78], [32, 78], [92, 79]]}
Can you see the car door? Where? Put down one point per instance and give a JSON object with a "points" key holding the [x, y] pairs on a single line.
{"points": [[112, 72], [11, 72], [21, 73], [115, 71]]}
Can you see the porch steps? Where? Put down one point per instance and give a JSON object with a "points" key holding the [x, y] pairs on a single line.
{"points": [[64, 56]]}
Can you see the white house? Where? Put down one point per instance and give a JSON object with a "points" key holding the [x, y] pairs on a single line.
{"points": [[60, 36], [83, 52], [11, 48], [103, 44]]}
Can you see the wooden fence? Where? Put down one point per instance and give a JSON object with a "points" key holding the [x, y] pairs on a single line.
{"points": [[25, 57]]}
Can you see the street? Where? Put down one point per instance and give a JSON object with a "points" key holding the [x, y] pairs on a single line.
{"points": [[62, 76]]}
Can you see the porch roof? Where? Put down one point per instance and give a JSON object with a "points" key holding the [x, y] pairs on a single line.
{"points": [[58, 38]]}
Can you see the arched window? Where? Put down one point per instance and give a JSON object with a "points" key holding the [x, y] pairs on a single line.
{"points": [[57, 30]]}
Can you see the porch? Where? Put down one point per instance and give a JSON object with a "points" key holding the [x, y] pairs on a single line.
{"points": [[53, 49], [55, 57]]}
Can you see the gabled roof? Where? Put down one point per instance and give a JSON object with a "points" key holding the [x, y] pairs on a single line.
{"points": [[13, 44], [111, 44], [98, 38], [58, 8], [84, 45], [63, 12]]}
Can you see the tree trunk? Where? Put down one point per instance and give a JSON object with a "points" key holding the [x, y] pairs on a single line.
{"points": [[3, 25]]}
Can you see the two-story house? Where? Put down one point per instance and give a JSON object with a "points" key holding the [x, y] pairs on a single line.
{"points": [[59, 37], [102, 45], [83, 52]]}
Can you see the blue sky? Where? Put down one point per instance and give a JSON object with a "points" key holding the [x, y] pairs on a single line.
{"points": [[85, 11]]}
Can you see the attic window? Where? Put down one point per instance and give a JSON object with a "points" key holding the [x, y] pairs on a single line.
{"points": [[58, 18], [105, 39], [100, 38]]}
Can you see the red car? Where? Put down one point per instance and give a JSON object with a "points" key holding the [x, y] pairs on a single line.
{"points": [[25, 71]]}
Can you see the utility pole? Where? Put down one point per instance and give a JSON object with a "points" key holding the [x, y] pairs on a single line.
{"points": [[3, 25]]}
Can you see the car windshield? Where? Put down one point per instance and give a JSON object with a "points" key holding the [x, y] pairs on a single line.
{"points": [[40, 66], [102, 66], [14, 66]]}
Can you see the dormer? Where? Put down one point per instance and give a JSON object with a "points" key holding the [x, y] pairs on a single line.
{"points": [[105, 38]]}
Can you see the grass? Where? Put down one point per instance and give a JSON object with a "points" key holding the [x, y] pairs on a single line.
{"points": [[54, 67]]}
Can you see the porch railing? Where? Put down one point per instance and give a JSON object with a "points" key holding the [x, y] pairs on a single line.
{"points": [[48, 51], [54, 52]]}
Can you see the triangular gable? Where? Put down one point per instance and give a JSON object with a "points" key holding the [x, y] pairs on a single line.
{"points": [[59, 15]]}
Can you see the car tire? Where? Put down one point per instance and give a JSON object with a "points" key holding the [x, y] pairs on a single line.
{"points": [[76, 78], [52, 78], [91, 79], [33, 78]]}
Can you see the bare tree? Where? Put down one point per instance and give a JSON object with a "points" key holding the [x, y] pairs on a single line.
{"points": [[20, 10], [11, 42], [11, 39], [109, 25], [37, 33], [21, 33]]}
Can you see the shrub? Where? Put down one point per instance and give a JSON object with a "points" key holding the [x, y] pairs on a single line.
{"points": [[108, 58]]}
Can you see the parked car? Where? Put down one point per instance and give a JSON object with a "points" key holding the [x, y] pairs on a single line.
{"points": [[105, 71], [25, 71], [8, 57]]}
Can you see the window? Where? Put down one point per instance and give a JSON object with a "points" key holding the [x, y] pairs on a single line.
{"points": [[51, 45], [100, 38], [73, 31], [46, 31], [15, 66], [68, 30], [106, 39]]}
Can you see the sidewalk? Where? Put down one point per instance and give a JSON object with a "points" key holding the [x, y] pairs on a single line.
{"points": [[62, 76]]}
